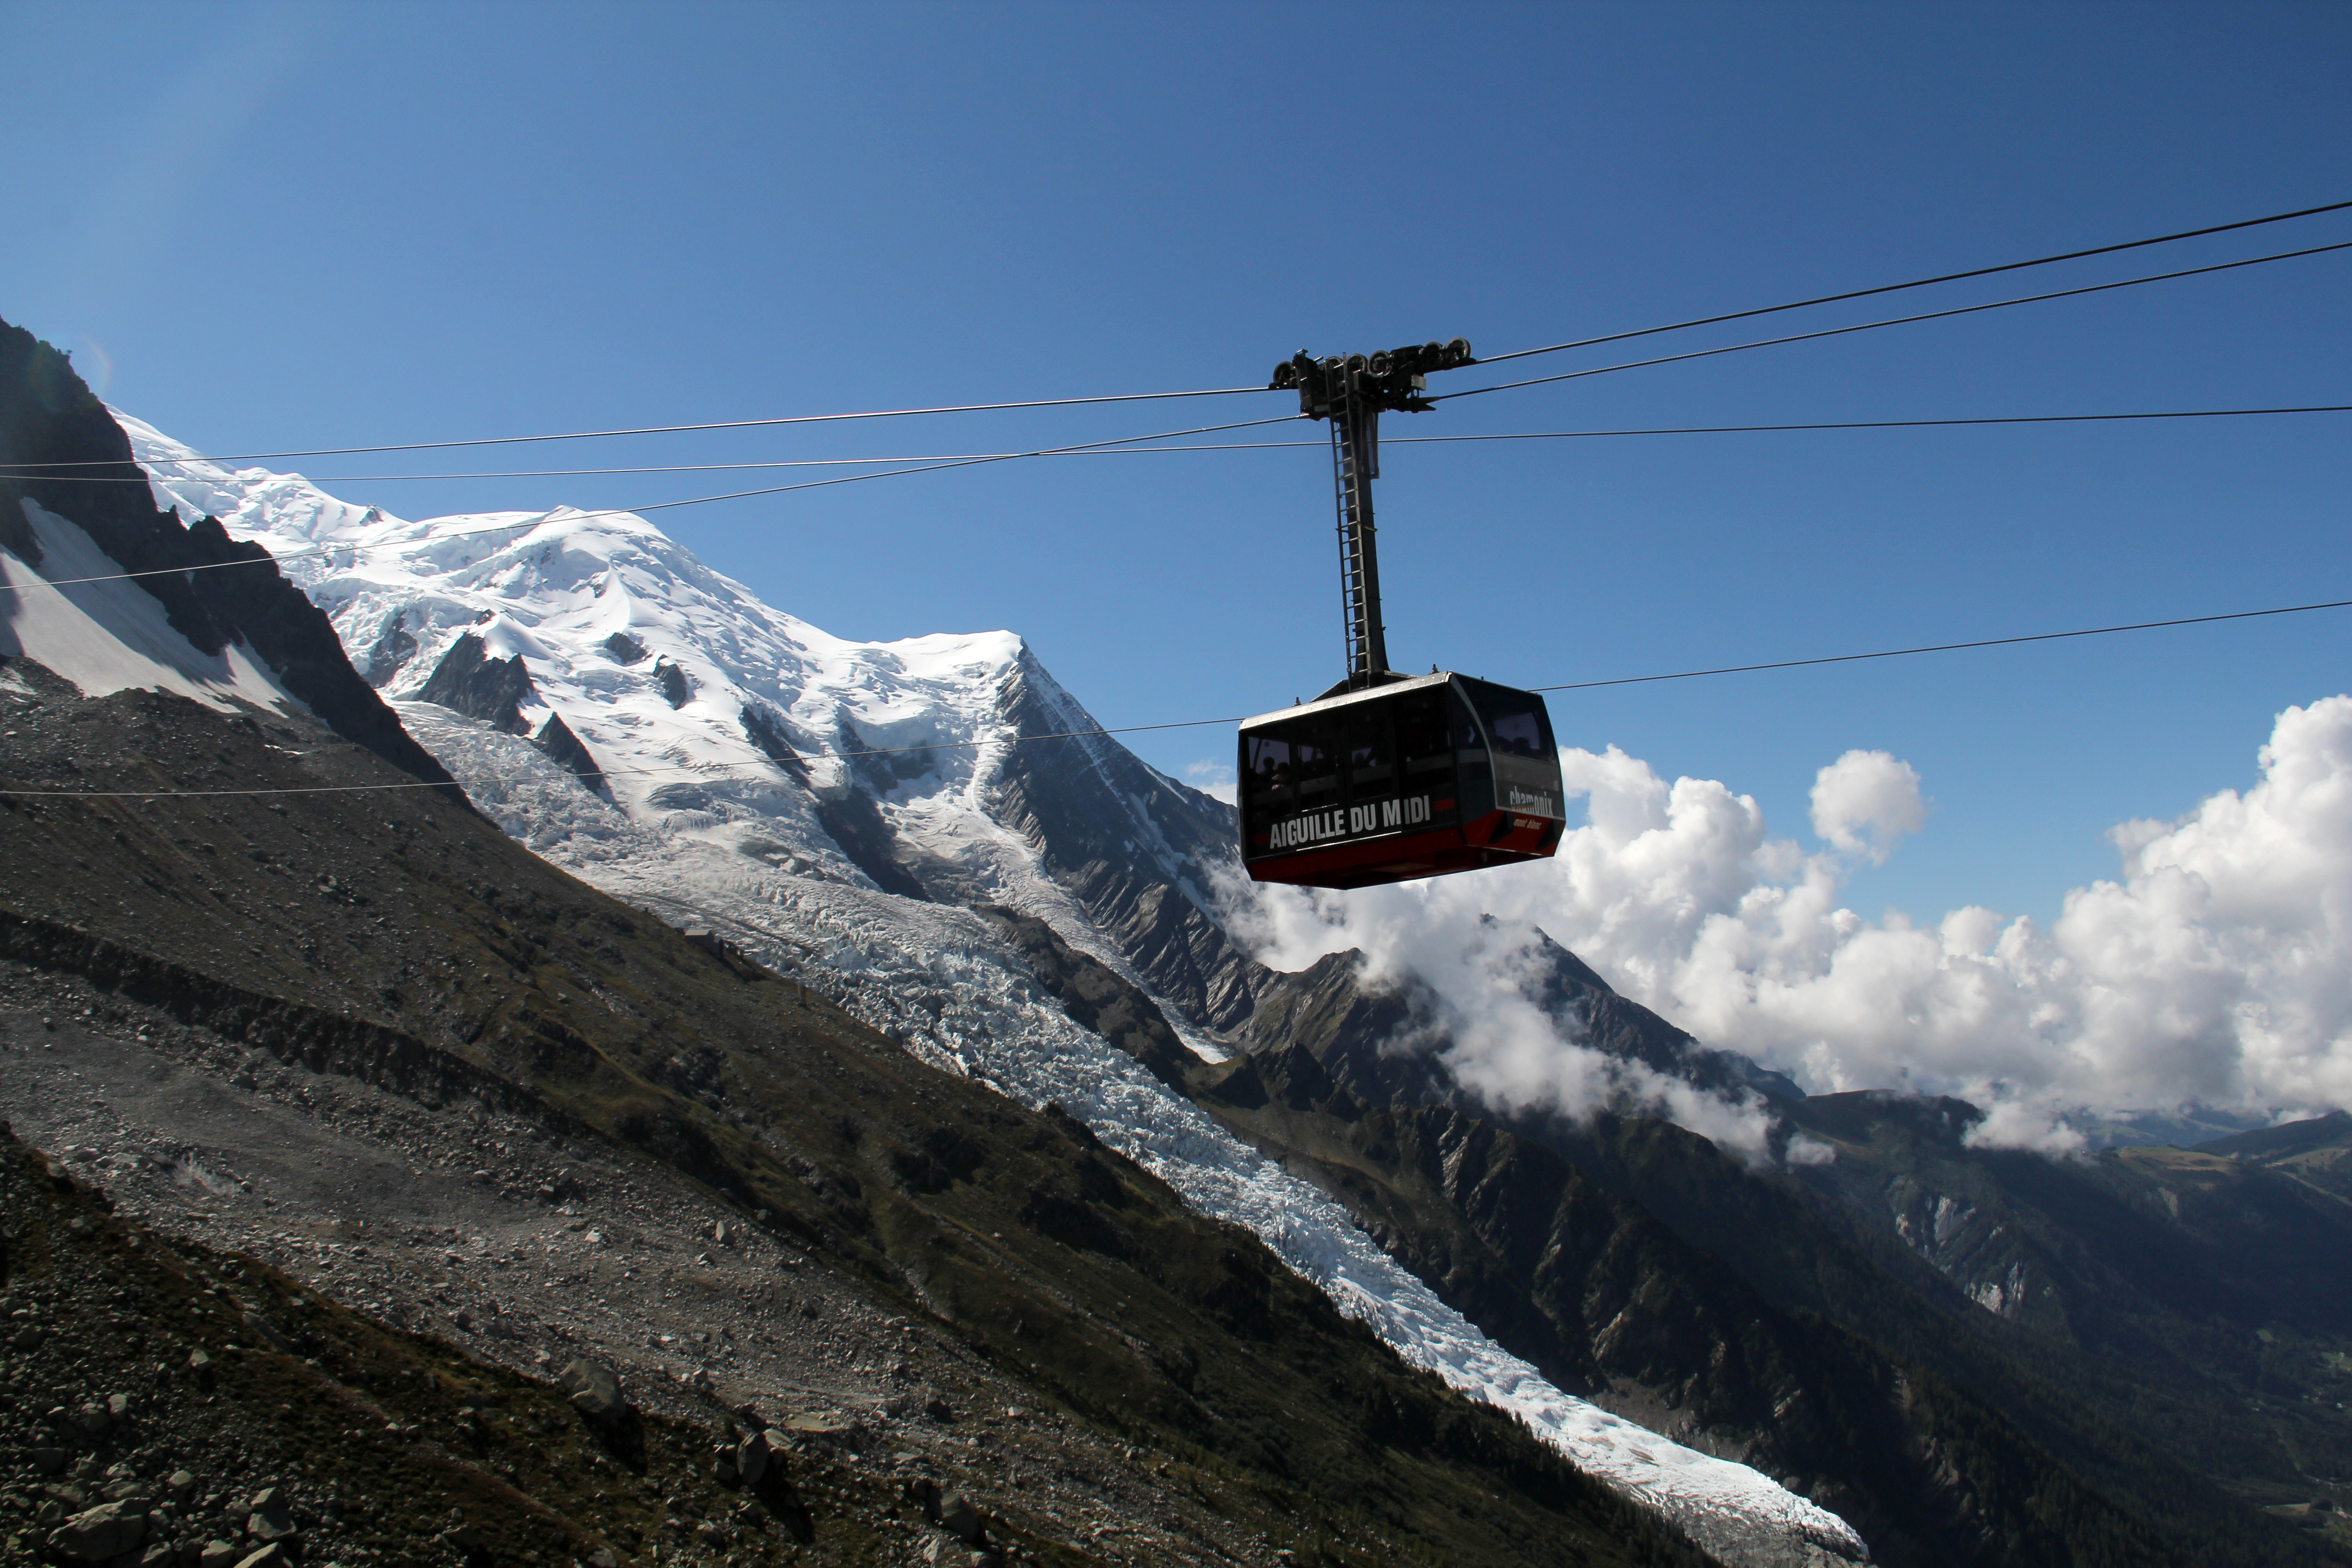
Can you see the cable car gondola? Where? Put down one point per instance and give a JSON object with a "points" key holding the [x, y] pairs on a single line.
{"points": [[1387, 777], [1415, 778]]}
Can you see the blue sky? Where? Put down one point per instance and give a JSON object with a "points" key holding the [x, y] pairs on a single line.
{"points": [[276, 226]]}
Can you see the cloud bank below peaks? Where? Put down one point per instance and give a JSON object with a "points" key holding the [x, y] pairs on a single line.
{"points": [[2215, 969]]}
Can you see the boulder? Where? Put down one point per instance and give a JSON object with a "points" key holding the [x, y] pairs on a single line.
{"points": [[826, 1429], [752, 1458], [217, 1554], [95, 1535], [272, 1518], [960, 1519], [595, 1391], [273, 1555]]}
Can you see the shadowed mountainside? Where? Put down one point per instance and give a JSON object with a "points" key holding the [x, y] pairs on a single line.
{"points": [[213, 590]]}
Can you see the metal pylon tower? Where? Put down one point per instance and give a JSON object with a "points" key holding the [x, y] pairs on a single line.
{"points": [[1350, 391]]}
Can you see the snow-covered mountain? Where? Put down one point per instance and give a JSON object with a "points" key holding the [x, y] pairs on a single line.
{"points": [[834, 808]]}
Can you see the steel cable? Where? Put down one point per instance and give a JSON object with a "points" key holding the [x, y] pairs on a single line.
{"points": [[1892, 321], [1918, 283]]}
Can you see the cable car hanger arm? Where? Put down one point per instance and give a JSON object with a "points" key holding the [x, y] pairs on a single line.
{"points": [[1350, 391]]}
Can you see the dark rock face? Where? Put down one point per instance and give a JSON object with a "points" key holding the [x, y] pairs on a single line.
{"points": [[623, 647], [468, 681], [213, 590], [1134, 869], [566, 749], [2226, 1263], [394, 647], [1352, 1030], [491, 689], [1587, 1009], [675, 684], [853, 821], [856, 824], [767, 733]]}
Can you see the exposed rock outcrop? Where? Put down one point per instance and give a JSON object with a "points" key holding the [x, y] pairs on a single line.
{"points": [[213, 590], [468, 682]]}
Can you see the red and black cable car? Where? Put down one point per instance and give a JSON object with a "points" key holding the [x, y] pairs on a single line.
{"points": [[1417, 778], [1387, 777]]}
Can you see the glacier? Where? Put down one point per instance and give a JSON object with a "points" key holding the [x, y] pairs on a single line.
{"points": [[833, 807]]}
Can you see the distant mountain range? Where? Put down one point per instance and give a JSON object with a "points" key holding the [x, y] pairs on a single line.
{"points": [[1956, 1354]]}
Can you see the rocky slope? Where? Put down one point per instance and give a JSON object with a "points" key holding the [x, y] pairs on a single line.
{"points": [[182, 1404]]}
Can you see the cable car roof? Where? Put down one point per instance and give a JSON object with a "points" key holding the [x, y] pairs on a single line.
{"points": [[1348, 699]]}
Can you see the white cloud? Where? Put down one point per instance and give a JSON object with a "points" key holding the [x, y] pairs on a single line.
{"points": [[1867, 803], [2216, 967], [1212, 779]]}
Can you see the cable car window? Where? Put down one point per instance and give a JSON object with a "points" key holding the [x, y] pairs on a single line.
{"points": [[1371, 761], [1466, 733], [1422, 741], [1269, 769], [1317, 760], [1515, 721]]}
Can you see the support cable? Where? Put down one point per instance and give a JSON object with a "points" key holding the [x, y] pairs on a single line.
{"points": [[1892, 322], [709, 425], [535, 519], [1235, 391], [1918, 283], [1276, 446]]}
